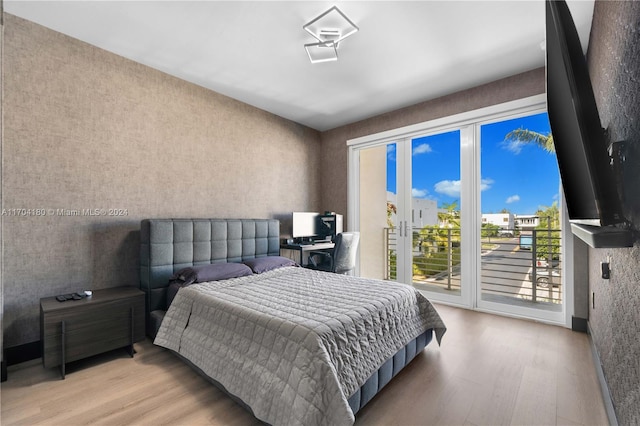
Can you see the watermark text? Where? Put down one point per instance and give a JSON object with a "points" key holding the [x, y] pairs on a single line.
{"points": [[58, 212]]}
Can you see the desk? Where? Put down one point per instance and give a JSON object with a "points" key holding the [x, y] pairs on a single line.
{"points": [[300, 253]]}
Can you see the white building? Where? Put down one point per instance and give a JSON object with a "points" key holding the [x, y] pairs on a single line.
{"points": [[503, 220], [424, 212], [527, 221]]}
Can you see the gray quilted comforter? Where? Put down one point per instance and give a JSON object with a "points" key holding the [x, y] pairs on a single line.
{"points": [[292, 343]]}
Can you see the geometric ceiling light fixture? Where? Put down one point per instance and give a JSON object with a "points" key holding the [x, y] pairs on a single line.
{"points": [[322, 52], [329, 29]]}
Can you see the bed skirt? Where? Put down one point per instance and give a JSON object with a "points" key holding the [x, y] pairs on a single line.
{"points": [[372, 386]]}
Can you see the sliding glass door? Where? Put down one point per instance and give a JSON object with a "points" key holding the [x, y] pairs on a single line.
{"points": [[521, 244], [436, 213], [410, 212], [450, 207]]}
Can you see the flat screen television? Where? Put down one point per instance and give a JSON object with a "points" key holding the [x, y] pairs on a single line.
{"points": [[588, 178]]}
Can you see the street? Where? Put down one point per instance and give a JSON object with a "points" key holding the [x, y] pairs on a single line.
{"points": [[506, 270], [505, 273]]}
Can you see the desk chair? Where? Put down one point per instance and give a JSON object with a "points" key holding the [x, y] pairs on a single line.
{"points": [[342, 259]]}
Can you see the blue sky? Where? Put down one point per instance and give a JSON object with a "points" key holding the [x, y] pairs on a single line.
{"points": [[517, 177]]}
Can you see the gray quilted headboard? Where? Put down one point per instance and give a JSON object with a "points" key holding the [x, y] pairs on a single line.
{"points": [[168, 245]]}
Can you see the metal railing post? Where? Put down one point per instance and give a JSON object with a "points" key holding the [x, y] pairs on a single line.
{"points": [[449, 258], [387, 263], [550, 257], [534, 278]]}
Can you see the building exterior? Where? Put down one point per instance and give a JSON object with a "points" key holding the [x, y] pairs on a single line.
{"points": [[424, 212], [503, 220], [527, 222]]}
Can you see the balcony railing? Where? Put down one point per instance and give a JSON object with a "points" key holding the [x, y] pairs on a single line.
{"points": [[515, 265]]}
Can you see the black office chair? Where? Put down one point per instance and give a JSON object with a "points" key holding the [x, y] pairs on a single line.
{"points": [[342, 259]]}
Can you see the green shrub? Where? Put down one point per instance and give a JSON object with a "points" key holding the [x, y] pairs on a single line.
{"points": [[431, 264]]}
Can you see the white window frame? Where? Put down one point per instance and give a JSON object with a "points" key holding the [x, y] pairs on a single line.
{"points": [[469, 164]]}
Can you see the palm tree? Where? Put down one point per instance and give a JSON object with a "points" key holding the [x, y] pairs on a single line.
{"points": [[391, 210], [529, 136], [448, 215], [439, 237]]}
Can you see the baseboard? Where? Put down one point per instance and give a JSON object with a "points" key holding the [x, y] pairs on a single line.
{"points": [[22, 353], [579, 324], [4, 371], [604, 387]]}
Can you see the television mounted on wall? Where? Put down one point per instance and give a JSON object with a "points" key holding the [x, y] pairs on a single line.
{"points": [[588, 179]]}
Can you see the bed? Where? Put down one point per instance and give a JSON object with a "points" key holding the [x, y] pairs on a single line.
{"points": [[292, 345]]}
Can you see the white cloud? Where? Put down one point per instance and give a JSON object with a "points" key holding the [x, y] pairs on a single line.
{"points": [[419, 193], [391, 152], [423, 148], [486, 184], [514, 146], [452, 187], [448, 187], [513, 199]]}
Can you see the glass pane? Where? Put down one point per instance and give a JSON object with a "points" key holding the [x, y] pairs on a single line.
{"points": [[435, 212], [520, 230], [378, 195]]}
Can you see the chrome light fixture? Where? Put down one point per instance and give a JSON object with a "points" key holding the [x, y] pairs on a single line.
{"points": [[329, 29]]}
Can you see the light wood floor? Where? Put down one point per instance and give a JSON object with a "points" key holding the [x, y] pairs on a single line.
{"points": [[490, 370]]}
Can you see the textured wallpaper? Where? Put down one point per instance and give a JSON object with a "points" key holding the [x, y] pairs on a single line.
{"points": [[1, 127], [93, 143], [614, 65]]}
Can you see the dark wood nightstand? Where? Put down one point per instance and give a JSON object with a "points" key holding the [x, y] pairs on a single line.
{"points": [[110, 319]]}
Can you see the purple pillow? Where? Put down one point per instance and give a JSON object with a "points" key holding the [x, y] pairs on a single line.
{"points": [[210, 272], [204, 273], [264, 264], [172, 290]]}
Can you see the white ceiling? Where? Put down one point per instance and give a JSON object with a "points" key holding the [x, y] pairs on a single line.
{"points": [[406, 52]]}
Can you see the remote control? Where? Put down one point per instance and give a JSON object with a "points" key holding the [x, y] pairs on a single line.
{"points": [[61, 298]]}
